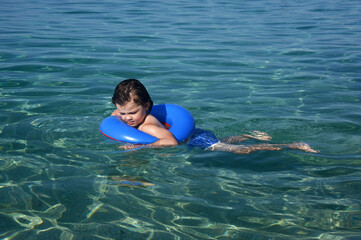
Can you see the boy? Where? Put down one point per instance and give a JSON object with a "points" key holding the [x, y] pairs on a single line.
{"points": [[134, 105]]}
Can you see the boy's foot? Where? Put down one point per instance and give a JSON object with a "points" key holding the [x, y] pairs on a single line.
{"points": [[302, 146], [258, 135]]}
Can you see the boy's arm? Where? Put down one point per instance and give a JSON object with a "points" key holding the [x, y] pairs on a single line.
{"points": [[165, 137]]}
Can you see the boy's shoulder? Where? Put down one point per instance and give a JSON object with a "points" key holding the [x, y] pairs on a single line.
{"points": [[150, 121]]}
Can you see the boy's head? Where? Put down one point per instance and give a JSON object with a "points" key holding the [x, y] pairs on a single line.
{"points": [[132, 90]]}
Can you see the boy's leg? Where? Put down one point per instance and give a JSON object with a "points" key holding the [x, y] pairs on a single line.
{"points": [[243, 149], [234, 139], [254, 135], [246, 149]]}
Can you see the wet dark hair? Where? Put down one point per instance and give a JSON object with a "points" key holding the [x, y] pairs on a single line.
{"points": [[131, 90]]}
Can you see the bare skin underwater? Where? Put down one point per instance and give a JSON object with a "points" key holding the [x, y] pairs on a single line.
{"points": [[227, 144]]}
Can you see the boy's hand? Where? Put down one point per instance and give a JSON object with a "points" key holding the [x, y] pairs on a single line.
{"points": [[129, 146]]}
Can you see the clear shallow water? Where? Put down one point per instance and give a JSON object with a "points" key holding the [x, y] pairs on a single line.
{"points": [[289, 68]]}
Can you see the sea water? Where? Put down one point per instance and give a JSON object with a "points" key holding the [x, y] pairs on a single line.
{"points": [[288, 68]]}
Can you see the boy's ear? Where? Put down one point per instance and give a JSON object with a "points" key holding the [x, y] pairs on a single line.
{"points": [[147, 105]]}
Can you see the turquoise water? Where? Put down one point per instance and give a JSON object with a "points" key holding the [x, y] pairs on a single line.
{"points": [[289, 68]]}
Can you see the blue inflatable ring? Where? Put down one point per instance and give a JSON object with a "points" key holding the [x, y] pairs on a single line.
{"points": [[181, 124]]}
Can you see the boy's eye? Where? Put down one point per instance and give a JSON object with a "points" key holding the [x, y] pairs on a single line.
{"points": [[131, 113]]}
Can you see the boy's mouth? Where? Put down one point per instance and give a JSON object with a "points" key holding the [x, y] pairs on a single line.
{"points": [[130, 123]]}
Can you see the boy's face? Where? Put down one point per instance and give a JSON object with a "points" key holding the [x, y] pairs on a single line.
{"points": [[132, 113]]}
